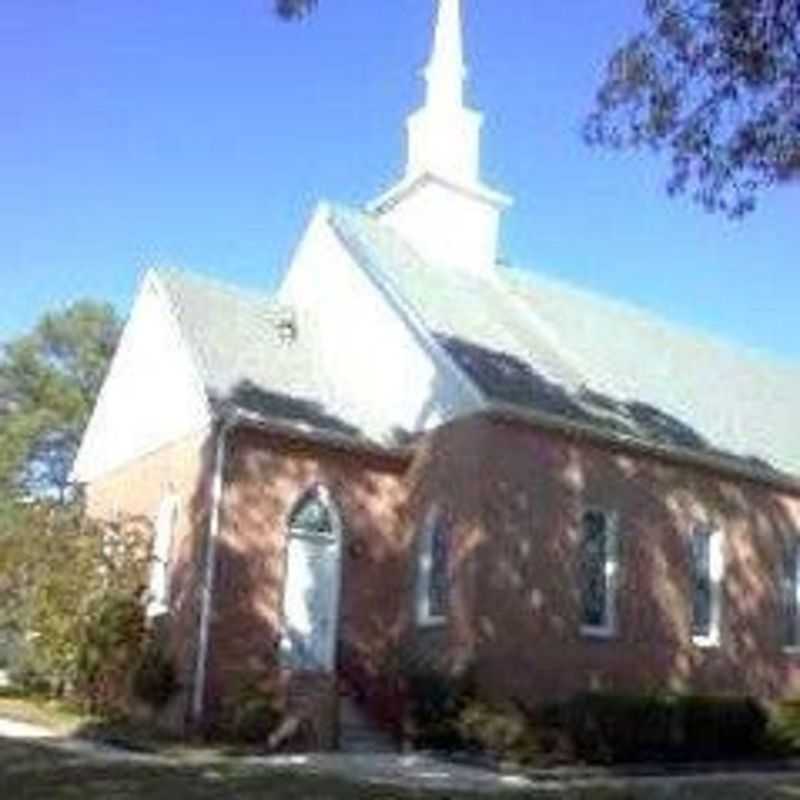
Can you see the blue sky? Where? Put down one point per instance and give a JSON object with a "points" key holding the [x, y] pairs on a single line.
{"points": [[201, 133]]}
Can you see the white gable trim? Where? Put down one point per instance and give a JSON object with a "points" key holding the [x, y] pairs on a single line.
{"points": [[416, 324], [197, 379], [92, 460], [391, 197]]}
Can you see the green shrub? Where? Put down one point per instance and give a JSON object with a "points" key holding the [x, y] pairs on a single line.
{"points": [[111, 643], [596, 727], [252, 711], [436, 701], [722, 727], [614, 728], [58, 574], [499, 730], [154, 680], [784, 727]]}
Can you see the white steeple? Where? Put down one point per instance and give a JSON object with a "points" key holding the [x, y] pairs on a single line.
{"points": [[441, 191], [444, 135], [445, 72]]}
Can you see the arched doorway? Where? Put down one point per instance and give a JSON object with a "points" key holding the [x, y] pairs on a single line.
{"points": [[312, 583]]}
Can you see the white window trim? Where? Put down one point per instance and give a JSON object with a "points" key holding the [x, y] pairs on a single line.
{"points": [[326, 498], [794, 648], [608, 630], [716, 568], [166, 522], [425, 618]]}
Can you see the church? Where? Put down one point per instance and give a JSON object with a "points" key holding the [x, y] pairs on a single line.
{"points": [[412, 456]]}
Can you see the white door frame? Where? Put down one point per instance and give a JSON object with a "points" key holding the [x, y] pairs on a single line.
{"points": [[323, 495]]}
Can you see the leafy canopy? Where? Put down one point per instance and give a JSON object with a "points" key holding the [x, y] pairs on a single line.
{"points": [[294, 9], [49, 380], [71, 619], [714, 83]]}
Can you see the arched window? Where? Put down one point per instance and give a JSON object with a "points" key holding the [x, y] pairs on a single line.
{"points": [[313, 516], [165, 522], [433, 580], [311, 586]]}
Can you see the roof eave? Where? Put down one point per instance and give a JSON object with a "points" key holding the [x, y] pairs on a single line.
{"points": [[399, 191], [237, 417], [675, 454]]}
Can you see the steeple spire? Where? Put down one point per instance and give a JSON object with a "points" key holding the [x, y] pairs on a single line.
{"points": [[441, 206], [444, 135], [445, 72]]}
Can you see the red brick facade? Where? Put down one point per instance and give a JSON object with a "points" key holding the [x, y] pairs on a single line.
{"points": [[184, 469], [517, 613], [513, 495], [265, 475]]}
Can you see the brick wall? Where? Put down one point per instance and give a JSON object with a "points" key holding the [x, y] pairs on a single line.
{"points": [[516, 495], [136, 490], [265, 475]]}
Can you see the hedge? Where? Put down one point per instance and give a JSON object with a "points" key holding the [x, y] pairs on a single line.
{"points": [[614, 728], [593, 727]]}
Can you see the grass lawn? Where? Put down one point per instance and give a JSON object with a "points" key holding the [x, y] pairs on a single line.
{"points": [[35, 772]]}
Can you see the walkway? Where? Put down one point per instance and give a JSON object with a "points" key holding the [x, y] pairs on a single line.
{"points": [[414, 771]]}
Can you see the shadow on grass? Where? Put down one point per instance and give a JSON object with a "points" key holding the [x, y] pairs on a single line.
{"points": [[35, 771], [144, 737]]}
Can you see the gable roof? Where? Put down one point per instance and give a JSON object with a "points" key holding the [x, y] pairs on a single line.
{"points": [[539, 344], [242, 345]]}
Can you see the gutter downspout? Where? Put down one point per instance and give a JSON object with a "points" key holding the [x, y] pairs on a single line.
{"points": [[209, 568]]}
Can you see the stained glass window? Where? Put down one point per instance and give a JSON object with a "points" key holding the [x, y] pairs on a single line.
{"points": [[433, 579], [437, 590], [706, 577], [702, 593], [791, 608], [312, 516], [596, 570]]}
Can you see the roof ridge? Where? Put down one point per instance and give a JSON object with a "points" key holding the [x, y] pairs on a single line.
{"points": [[574, 370], [220, 285], [651, 316]]}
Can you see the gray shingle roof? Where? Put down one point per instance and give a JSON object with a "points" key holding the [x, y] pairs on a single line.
{"points": [[235, 341], [538, 343]]}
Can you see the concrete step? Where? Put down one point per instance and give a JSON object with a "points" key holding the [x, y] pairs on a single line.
{"points": [[358, 734]]}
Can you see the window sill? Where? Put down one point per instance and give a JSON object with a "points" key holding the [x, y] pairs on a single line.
{"points": [[431, 622], [156, 610], [706, 642], [593, 632], [792, 650]]}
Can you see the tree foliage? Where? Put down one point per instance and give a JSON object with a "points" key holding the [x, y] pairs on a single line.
{"points": [[715, 83], [71, 594], [49, 380], [294, 9]]}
